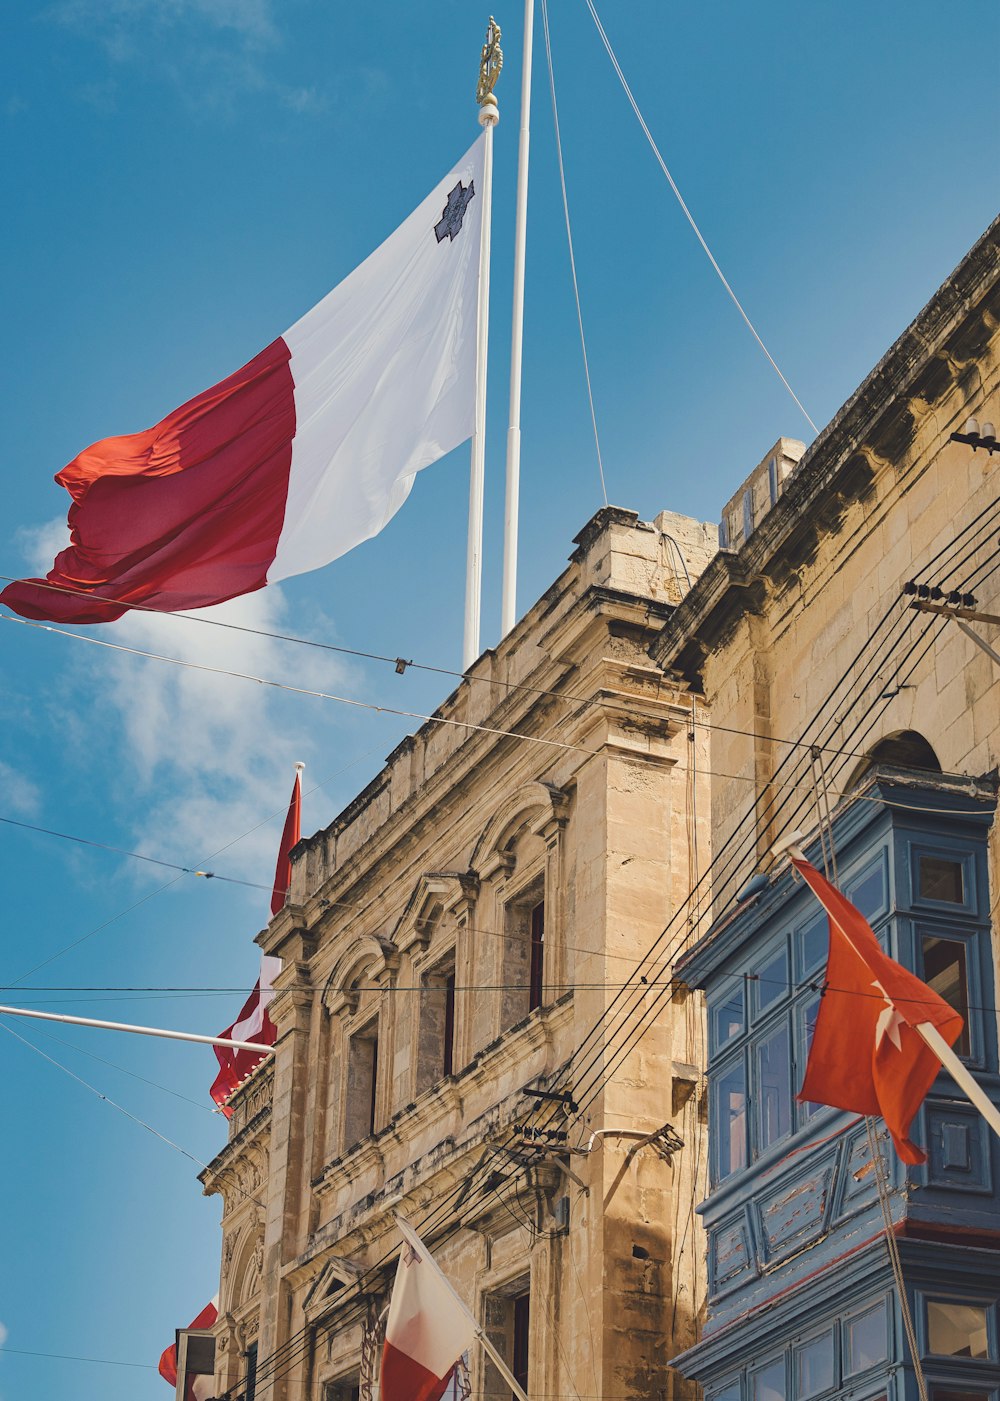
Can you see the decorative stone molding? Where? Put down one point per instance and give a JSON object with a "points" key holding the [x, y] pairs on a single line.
{"points": [[374, 956], [436, 893], [531, 809], [339, 1273]]}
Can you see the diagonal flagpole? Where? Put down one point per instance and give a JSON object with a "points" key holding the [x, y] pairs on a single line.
{"points": [[138, 1030], [489, 114], [414, 1241]]}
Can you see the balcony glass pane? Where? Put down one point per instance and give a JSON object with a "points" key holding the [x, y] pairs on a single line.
{"points": [[774, 1094], [813, 943], [864, 1340], [731, 1121], [727, 1017], [768, 1383], [814, 1366], [772, 981], [941, 879], [957, 1330], [945, 972]]}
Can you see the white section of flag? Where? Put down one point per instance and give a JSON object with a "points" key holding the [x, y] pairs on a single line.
{"points": [[427, 1321], [253, 1024], [385, 373]]}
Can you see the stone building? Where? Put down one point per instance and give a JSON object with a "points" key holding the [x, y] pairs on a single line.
{"points": [[454, 1038], [847, 701]]}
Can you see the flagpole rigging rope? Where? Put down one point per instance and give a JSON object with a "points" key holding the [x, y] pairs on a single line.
{"points": [[689, 216], [892, 1249], [569, 240]]}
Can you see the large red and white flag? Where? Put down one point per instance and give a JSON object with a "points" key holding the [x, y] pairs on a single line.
{"points": [[198, 1388], [865, 1054], [427, 1330], [253, 1023], [299, 456]]}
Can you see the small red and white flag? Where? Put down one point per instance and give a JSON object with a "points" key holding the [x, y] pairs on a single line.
{"points": [[253, 1023], [865, 1054], [428, 1328], [302, 454], [198, 1388]]}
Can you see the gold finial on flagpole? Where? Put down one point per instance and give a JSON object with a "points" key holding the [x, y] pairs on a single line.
{"points": [[490, 64]]}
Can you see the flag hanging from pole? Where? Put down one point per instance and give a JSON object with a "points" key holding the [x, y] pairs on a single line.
{"points": [[302, 454], [198, 1388], [253, 1023], [427, 1330], [865, 1054]]}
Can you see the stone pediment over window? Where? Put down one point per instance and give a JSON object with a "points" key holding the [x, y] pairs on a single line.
{"points": [[337, 1275], [435, 894], [535, 808], [365, 961]]}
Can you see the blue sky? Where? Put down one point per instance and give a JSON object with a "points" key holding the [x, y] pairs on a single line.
{"points": [[183, 178]]}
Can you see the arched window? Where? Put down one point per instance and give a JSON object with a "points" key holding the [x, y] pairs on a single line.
{"points": [[904, 749]]}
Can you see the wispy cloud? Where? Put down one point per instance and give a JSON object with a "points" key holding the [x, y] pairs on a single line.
{"points": [[214, 52], [202, 757], [21, 796]]}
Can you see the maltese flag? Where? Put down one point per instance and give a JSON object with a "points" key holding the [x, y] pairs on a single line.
{"points": [[302, 454], [253, 1022], [427, 1330], [866, 1055]]}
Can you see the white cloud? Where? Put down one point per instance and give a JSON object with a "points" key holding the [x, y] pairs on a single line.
{"points": [[214, 52], [202, 757], [21, 797]]}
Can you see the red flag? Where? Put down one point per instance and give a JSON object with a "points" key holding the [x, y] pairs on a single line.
{"points": [[253, 1023], [299, 456], [427, 1330], [865, 1054], [168, 1358]]}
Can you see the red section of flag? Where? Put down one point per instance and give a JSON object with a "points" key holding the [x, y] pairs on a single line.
{"points": [[290, 835], [168, 1358], [865, 1055], [182, 515], [403, 1378], [253, 1023]]}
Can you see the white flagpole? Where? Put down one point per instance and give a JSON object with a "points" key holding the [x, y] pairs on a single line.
{"points": [[972, 1090], [138, 1030], [513, 487], [489, 115], [412, 1239]]}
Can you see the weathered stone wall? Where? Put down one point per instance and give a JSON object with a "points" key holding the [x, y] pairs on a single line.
{"points": [[436, 864]]}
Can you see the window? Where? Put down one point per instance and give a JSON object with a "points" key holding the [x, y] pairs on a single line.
{"points": [[767, 1383], [813, 943], [436, 1032], [729, 1392], [957, 1330], [731, 1122], [727, 1018], [867, 891], [507, 1323], [343, 1389], [772, 981], [773, 1089], [807, 1027], [940, 880], [772, 479], [864, 1340], [723, 534], [250, 1364], [945, 971], [523, 955], [536, 971], [942, 1393], [362, 1083], [813, 1366], [522, 1329]]}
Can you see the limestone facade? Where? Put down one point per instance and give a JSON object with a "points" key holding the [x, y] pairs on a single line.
{"points": [[458, 935]]}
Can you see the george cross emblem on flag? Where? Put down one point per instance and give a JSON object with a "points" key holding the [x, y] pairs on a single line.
{"points": [[453, 213], [889, 1021]]}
